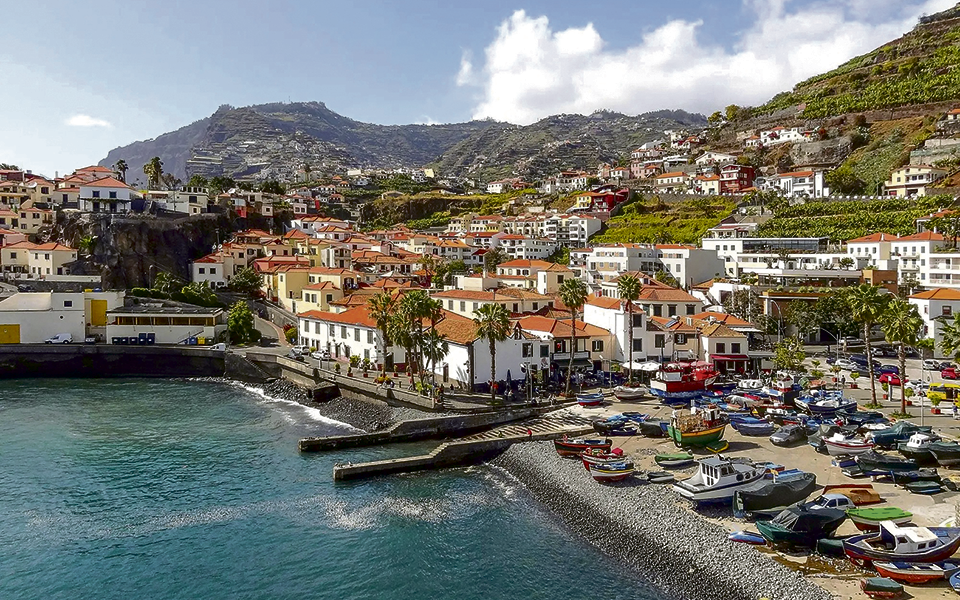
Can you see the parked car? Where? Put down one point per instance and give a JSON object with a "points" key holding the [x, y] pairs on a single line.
{"points": [[323, 354], [851, 341], [838, 501], [891, 379], [847, 364], [60, 338], [919, 387], [889, 369], [935, 365], [301, 349], [886, 351], [295, 355], [949, 373], [91, 339]]}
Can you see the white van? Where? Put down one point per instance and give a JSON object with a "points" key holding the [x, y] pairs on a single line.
{"points": [[60, 338]]}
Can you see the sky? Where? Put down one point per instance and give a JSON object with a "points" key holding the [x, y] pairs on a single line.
{"points": [[98, 74]]}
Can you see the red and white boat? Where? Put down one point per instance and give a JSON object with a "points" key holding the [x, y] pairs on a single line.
{"points": [[596, 456], [839, 445], [611, 472], [683, 381], [575, 447]]}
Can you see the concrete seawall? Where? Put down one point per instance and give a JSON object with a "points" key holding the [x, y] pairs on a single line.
{"points": [[79, 360], [420, 429]]}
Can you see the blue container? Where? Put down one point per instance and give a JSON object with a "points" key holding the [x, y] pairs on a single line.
{"points": [[192, 341], [151, 339], [116, 341]]}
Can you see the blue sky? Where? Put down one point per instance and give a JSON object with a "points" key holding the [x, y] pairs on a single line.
{"points": [[84, 77]]}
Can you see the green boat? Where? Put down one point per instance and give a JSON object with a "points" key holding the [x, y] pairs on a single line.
{"points": [[868, 519], [674, 460], [700, 438], [881, 587]]}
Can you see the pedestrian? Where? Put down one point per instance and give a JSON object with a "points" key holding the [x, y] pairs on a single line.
{"points": [[955, 410], [530, 431]]}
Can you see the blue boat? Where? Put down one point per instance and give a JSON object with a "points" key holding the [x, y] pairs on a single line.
{"points": [[763, 428], [747, 537]]}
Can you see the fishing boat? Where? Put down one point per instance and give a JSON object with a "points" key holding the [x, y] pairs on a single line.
{"points": [[955, 581], [701, 428], [748, 386], [946, 453], [788, 435], [799, 525], [900, 431], [858, 493], [914, 476], [611, 472], [675, 460], [918, 447], [756, 427], [869, 519], [894, 543], [747, 537], [871, 462], [597, 456], [567, 447], [927, 488], [771, 497], [717, 478], [916, 573], [623, 392], [595, 399], [863, 417], [881, 587], [826, 406], [839, 444], [682, 381], [616, 427]]}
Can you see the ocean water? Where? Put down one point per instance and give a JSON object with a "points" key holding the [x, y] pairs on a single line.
{"points": [[185, 489]]}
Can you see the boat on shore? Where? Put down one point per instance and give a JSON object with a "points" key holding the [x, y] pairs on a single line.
{"points": [[946, 453], [900, 431], [717, 478], [801, 525], [840, 444], [872, 461], [881, 587], [773, 496], [622, 392], [680, 382], [827, 406], [674, 460], [869, 519], [903, 544], [753, 427], [590, 400], [858, 493], [574, 447], [611, 472], [702, 428], [916, 573], [918, 447], [598, 456]]}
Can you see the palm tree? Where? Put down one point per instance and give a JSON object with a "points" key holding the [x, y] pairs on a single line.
{"points": [[573, 294], [154, 171], [866, 307], [901, 324], [382, 308], [628, 287], [492, 322], [950, 337], [120, 169]]}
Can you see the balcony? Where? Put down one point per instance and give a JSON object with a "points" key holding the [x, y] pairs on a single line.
{"points": [[561, 356]]}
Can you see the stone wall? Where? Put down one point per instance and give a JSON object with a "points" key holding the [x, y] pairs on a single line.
{"points": [[101, 360]]}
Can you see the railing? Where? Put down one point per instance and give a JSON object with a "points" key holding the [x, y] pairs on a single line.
{"points": [[559, 356]]}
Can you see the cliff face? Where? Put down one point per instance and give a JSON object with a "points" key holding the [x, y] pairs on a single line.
{"points": [[129, 252]]}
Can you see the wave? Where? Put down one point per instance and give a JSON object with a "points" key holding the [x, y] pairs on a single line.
{"points": [[313, 413]]}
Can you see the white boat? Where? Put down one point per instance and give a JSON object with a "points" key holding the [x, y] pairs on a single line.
{"points": [[749, 386], [623, 392], [717, 478], [613, 471], [839, 444]]}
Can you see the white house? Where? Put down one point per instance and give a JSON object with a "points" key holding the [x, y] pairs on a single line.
{"points": [[610, 314], [31, 318], [936, 306], [164, 324], [106, 195], [801, 183], [715, 158]]}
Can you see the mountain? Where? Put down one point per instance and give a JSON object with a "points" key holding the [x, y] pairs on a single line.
{"points": [[922, 67], [559, 142], [276, 140]]}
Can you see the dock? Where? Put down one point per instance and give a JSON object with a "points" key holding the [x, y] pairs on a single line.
{"points": [[473, 447]]}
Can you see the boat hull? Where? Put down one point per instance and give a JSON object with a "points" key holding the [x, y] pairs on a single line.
{"points": [[916, 573], [575, 449], [845, 448], [697, 438], [861, 553]]}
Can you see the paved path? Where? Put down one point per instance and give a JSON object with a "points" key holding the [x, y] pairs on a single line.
{"points": [[559, 422]]}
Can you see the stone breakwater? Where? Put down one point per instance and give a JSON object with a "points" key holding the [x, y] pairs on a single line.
{"points": [[643, 525]]}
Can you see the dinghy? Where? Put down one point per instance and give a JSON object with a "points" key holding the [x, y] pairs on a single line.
{"points": [[757, 427], [871, 462], [916, 573], [747, 537], [611, 472], [946, 453], [590, 400], [881, 587], [926, 488], [801, 525], [623, 392], [675, 460], [574, 447], [869, 519], [839, 444], [660, 477], [597, 456]]}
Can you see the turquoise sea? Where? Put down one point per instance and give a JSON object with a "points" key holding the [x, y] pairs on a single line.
{"points": [[121, 489]]}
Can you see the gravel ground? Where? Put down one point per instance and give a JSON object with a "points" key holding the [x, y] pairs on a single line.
{"points": [[368, 415], [643, 525]]}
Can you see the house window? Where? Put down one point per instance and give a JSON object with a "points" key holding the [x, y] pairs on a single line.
{"points": [[596, 345], [343, 332], [113, 195], [637, 320], [96, 194], [544, 351], [659, 341], [369, 336], [332, 331], [691, 309], [947, 311], [671, 310], [213, 270], [67, 303], [356, 334], [735, 348], [680, 338], [203, 271], [528, 350], [657, 310], [721, 347], [559, 278]]}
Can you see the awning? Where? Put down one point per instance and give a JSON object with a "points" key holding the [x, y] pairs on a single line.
{"points": [[729, 357], [642, 366], [577, 362]]}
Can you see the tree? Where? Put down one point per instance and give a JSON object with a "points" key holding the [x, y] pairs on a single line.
{"points": [[866, 307], [170, 181], [573, 294], [246, 281], [198, 181], [716, 119], [789, 354], [743, 304], [908, 286], [492, 322], [199, 293], [120, 170], [947, 225], [381, 308], [901, 324], [845, 181], [628, 288], [167, 283], [220, 184], [950, 337], [272, 186], [307, 169], [731, 112], [87, 244], [154, 171], [493, 258], [240, 324], [665, 277], [561, 256], [847, 263]]}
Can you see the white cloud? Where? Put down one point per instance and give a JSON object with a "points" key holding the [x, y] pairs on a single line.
{"points": [[87, 121], [531, 71]]}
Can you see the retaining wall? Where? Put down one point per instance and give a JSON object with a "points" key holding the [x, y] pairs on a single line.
{"points": [[81, 360]]}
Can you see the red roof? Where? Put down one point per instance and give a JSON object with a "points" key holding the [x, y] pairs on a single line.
{"points": [[873, 238], [110, 182]]}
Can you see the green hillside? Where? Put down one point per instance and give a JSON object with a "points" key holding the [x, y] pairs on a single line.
{"points": [[650, 220], [921, 67]]}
